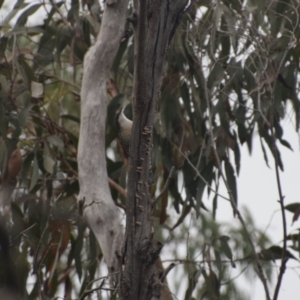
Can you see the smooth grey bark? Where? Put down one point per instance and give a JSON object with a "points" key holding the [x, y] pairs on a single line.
{"points": [[154, 22], [100, 211]]}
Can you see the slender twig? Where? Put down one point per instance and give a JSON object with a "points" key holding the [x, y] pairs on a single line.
{"points": [[237, 276], [25, 230], [63, 160], [270, 221], [166, 271], [202, 261], [86, 293], [117, 187], [75, 87], [104, 277]]}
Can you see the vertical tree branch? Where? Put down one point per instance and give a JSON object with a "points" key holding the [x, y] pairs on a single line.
{"points": [[280, 194], [154, 22], [281, 202], [99, 209]]}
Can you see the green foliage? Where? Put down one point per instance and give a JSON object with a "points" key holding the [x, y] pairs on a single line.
{"points": [[229, 69]]}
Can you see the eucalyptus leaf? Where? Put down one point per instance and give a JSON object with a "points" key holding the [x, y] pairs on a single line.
{"points": [[28, 12], [35, 173], [3, 156], [48, 161], [231, 180]]}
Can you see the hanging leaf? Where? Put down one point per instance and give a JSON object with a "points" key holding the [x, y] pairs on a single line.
{"points": [[25, 105], [264, 152], [225, 43], [192, 283], [230, 18], [3, 157], [26, 166], [237, 155], [292, 207], [35, 173], [3, 117], [95, 255], [218, 260], [231, 179], [185, 211], [28, 12], [208, 174], [215, 202], [47, 159], [77, 251], [286, 144], [295, 209], [215, 76], [212, 284], [19, 5]]}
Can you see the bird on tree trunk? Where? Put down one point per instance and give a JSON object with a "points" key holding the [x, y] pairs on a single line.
{"points": [[124, 128]]}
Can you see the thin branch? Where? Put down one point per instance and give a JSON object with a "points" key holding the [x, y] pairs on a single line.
{"points": [[202, 261], [237, 276], [284, 259], [25, 230], [75, 87], [117, 187], [63, 160], [104, 277], [87, 292], [166, 272], [111, 182]]}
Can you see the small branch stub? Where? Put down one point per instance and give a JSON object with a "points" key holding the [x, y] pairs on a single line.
{"points": [[132, 19]]}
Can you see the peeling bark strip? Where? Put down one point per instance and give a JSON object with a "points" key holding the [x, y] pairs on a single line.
{"points": [[99, 209], [154, 22]]}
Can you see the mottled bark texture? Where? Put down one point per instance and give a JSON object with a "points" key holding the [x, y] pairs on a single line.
{"points": [[99, 209], [154, 22]]}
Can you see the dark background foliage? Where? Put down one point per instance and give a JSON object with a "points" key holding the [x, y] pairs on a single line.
{"points": [[230, 68]]}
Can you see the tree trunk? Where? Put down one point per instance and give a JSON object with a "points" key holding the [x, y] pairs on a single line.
{"points": [[154, 22], [99, 209]]}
